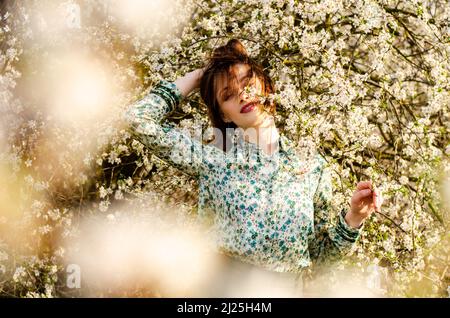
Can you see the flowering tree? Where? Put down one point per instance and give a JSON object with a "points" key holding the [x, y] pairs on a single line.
{"points": [[365, 82]]}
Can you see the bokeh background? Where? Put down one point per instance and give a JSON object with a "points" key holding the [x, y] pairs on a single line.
{"points": [[365, 82]]}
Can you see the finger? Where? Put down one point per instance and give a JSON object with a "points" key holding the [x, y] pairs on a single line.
{"points": [[364, 185], [362, 194]]}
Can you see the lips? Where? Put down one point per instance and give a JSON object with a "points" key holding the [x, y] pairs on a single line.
{"points": [[248, 107]]}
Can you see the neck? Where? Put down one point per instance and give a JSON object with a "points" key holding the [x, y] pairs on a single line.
{"points": [[265, 136]]}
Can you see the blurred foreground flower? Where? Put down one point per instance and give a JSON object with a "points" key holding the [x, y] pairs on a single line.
{"points": [[140, 254], [77, 88]]}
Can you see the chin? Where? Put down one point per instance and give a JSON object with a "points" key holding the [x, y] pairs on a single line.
{"points": [[251, 123]]}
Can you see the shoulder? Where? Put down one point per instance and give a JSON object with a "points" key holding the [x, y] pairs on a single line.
{"points": [[322, 163]]}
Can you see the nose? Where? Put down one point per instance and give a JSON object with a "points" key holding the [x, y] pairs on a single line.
{"points": [[242, 94]]}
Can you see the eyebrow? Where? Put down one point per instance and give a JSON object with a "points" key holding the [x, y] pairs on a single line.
{"points": [[226, 87]]}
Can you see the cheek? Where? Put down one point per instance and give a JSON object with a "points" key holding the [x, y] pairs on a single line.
{"points": [[227, 109]]}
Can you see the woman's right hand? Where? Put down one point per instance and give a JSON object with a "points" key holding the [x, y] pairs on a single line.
{"points": [[199, 74], [189, 81]]}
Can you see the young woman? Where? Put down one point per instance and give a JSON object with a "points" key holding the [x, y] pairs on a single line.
{"points": [[268, 208]]}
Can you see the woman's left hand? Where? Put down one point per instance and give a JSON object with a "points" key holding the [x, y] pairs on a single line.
{"points": [[365, 200]]}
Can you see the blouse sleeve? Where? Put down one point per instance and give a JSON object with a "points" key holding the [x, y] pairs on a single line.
{"points": [[330, 241], [164, 140]]}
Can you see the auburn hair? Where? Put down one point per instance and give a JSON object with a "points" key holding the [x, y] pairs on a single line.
{"points": [[220, 63]]}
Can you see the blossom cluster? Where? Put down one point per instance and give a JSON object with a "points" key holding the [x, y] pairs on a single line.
{"points": [[365, 82]]}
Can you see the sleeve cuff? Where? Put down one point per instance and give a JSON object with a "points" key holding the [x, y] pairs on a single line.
{"points": [[346, 231], [169, 92]]}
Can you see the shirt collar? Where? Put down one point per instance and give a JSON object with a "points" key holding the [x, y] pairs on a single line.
{"points": [[298, 163], [285, 144]]}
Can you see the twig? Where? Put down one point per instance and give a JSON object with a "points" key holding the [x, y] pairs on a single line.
{"points": [[393, 222]]}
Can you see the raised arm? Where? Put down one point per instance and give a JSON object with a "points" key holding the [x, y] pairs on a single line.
{"points": [[329, 241], [189, 82], [168, 143]]}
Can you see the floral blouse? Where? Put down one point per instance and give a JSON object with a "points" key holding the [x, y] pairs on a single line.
{"points": [[273, 211]]}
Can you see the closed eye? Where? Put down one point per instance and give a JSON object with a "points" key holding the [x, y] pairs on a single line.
{"points": [[247, 80]]}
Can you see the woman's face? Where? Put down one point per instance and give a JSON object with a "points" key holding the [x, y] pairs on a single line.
{"points": [[234, 105]]}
